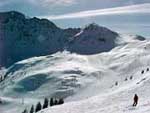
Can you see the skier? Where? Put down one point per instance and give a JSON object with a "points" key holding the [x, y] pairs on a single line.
{"points": [[142, 72], [147, 69], [135, 100]]}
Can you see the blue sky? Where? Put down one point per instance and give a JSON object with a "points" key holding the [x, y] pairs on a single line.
{"points": [[125, 16]]}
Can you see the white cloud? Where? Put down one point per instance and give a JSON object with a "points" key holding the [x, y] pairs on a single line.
{"points": [[53, 2], [141, 8]]}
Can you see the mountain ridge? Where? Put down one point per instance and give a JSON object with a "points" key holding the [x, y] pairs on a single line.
{"points": [[23, 37]]}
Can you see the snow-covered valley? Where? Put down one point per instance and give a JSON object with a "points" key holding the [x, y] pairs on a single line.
{"points": [[100, 83]]}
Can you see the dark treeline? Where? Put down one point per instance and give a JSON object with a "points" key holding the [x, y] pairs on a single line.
{"points": [[47, 103]]}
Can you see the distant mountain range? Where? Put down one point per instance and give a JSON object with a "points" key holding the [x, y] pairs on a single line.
{"points": [[22, 37]]}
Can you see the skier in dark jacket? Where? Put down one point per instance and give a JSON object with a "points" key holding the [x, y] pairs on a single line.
{"points": [[135, 100]]}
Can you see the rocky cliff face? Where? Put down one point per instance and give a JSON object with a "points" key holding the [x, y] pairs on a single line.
{"points": [[93, 39], [22, 37]]}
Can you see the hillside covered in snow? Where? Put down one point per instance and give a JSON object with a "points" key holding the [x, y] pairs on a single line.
{"points": [[88, 83], [94, 69]]}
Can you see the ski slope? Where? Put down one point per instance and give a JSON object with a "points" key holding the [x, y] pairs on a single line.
{"points": [[126, 61], [87, 82]]}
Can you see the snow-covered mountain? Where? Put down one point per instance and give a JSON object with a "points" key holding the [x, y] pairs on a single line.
{"points": [[87, 82], [93, 68], [22, 37]]}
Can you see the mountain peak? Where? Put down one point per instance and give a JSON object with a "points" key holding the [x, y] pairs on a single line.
{"points": [[91, 26], [12, 14]]}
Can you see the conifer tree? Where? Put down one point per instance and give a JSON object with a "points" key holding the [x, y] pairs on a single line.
{"points": [[51, 102], [32, 109], [45, 105], [38, 107], [55, 102], [61, 101]]}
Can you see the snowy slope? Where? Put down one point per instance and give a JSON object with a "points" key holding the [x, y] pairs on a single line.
{"points": [[125, 61], [87, 82]]}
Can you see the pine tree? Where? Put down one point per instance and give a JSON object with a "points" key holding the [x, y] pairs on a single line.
{"points": [[55, 102], [61, 101], [45, 105], [32, 109], [51, 102], [38, 107]]}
